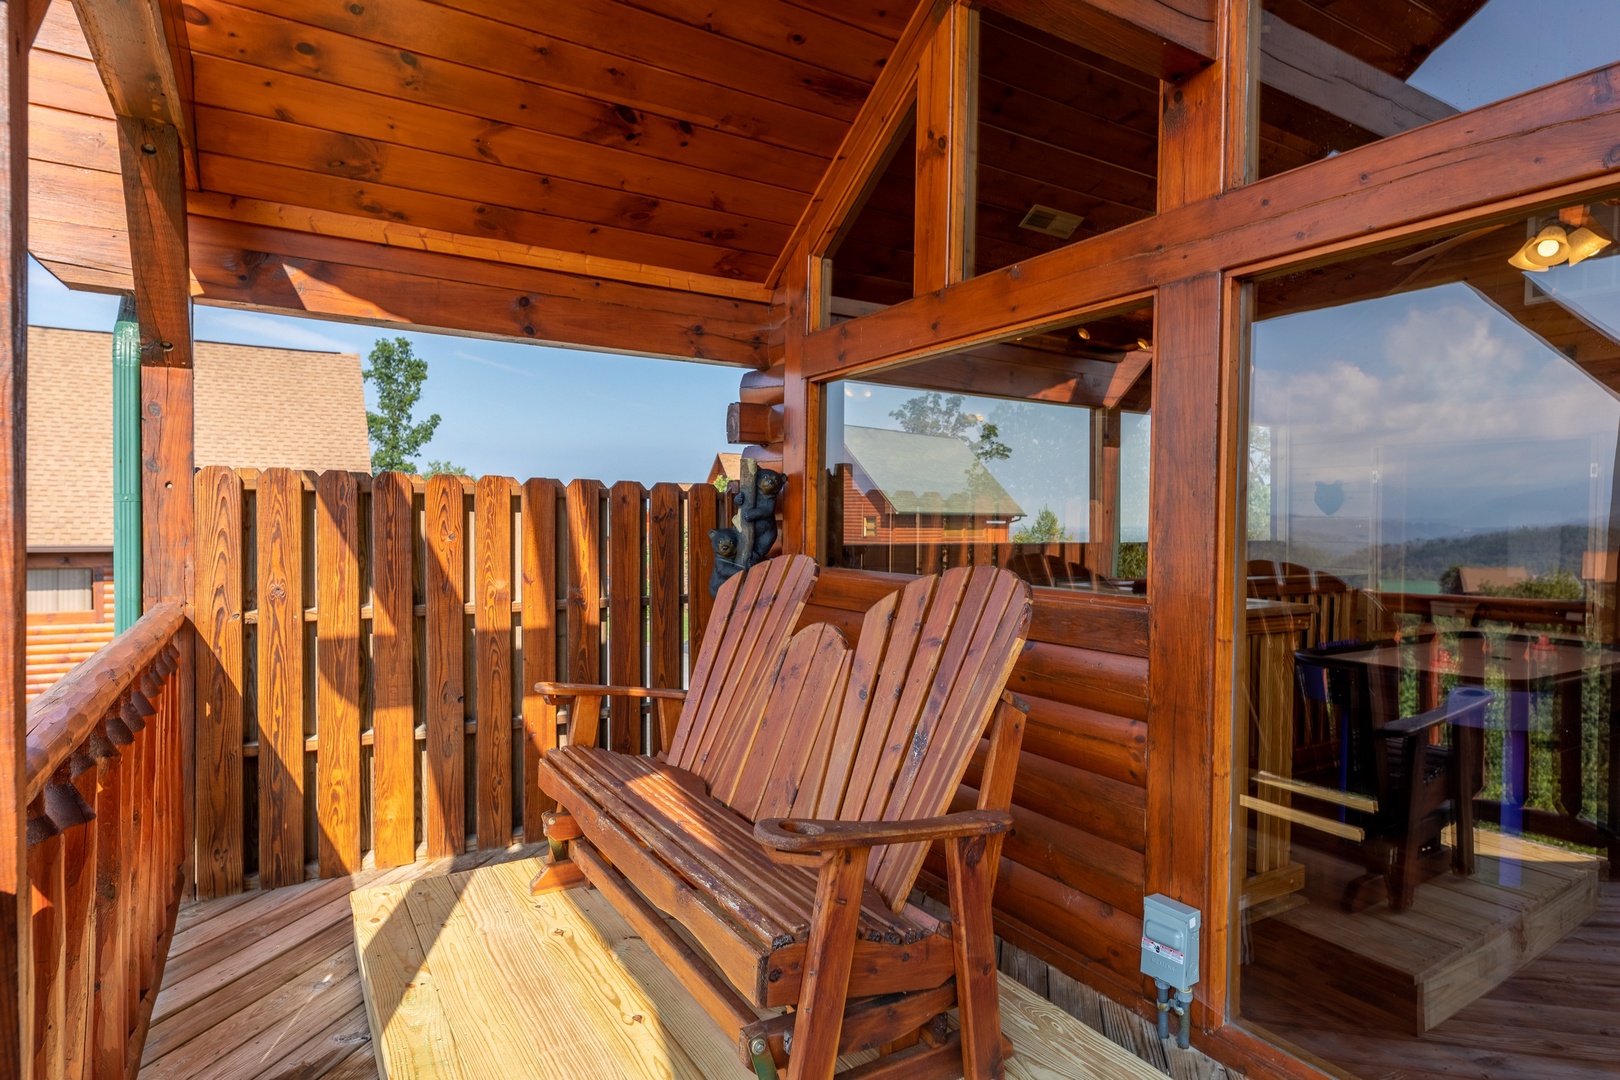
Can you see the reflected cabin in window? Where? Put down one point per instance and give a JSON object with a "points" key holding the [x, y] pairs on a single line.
{"points": [[902, 487]]}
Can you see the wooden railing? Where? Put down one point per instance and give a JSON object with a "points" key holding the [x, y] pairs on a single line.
{"points": [[105, 848], [367, 648]]}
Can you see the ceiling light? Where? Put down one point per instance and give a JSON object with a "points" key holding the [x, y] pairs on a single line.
{"points": [[1549, 247], [1586, 242], [1144, 344], [1082, 333]]}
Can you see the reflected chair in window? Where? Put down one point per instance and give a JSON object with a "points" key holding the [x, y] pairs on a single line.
{"points": [[1399, 785]]}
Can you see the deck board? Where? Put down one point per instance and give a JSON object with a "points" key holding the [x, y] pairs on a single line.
{"points": [[559, 986], [279, 997]]}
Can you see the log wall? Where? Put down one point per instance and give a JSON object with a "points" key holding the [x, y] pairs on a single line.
{"points": [[1071, 882], [366, 649]]}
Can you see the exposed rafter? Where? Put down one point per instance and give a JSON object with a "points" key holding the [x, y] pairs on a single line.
{"points": [[140, 50]]}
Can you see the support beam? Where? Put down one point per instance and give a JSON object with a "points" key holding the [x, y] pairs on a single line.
{"points": [[333, 278], [1318, 74], [16, 908], [155, 206], [140, 50], [947, 120], [1165, 38]]}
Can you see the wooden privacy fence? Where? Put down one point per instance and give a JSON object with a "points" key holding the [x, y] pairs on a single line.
{"points": [[105, 848], [367, 648]]}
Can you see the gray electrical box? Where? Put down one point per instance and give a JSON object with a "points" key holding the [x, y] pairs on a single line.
{"points": [[1170, 941]]}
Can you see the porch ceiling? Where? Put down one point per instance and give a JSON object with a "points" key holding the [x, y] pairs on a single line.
{"points": [[668, 146]]}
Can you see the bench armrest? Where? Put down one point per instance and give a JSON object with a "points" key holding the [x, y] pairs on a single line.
{"points": [[572, 690], [798, 835]]}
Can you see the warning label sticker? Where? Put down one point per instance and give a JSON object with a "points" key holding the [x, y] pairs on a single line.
{"points": [[1163, 950]]}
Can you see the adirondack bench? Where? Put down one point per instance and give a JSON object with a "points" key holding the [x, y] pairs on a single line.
{"points": [[786, 843]]}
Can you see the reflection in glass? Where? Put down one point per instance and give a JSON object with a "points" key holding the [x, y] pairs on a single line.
{"points": [[1029, 453], [1337, 75], [1428, 731]]}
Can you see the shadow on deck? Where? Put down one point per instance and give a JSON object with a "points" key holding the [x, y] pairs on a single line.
{"points": [[269, 984]]}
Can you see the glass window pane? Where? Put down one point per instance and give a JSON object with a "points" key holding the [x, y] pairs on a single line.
{"points": [[1335, 75], [53, 589], [1068, 143], [1428, 726], [873, 255], [1028, 453]]}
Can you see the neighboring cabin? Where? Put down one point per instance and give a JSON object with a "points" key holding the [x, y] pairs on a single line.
{"points": [[901, 487], [255, 407]]}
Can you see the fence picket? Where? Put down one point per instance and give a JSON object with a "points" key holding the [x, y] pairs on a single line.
{"points": [[393, 654], [443, 804], [704, 513], [663, 593], [337, 658], [403, 600], [492, 640], [219, 681], [281, 678], [625, 533], [539, 546], [584, 581]]}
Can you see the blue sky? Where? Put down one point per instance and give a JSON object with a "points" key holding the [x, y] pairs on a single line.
{"points": [[506, 407]]}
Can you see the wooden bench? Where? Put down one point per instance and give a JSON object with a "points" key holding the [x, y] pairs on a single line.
{"points": [[786, 843]]}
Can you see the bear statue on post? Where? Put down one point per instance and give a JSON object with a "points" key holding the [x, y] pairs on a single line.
{"points": [[754, 531]]}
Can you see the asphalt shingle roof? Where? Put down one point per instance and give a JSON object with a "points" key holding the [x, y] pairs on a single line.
{"points": [[256, 407]]}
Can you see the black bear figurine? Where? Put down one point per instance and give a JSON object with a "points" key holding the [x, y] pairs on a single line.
{"points": [[760, 511], [726, 558]]}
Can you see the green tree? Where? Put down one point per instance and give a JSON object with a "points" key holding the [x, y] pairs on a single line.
{"points": [[398, 374], [1045, 529], [434, 468], [935, 414]]}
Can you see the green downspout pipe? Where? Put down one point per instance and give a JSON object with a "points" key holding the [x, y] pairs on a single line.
{"points": [[126, 467]]}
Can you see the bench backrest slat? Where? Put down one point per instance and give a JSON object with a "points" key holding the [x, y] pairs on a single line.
{"points": [[900, 715], [743, 647]]}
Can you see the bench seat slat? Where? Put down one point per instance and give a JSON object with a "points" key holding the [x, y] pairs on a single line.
{"points": [[669, 815]]}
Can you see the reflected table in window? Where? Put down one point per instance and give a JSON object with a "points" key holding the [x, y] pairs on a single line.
{"points": [[1530, 667]]}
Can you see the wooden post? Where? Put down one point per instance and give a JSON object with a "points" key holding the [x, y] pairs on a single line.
{"points": [[947, 119], [1102, 546], [16, 957], [1192, 623]]}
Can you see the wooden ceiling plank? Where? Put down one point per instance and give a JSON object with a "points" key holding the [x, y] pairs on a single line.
{"points": [[133, 53], [694, 80], [66, 82], [885, 18], [417, 238], [367, 115], [59, 32], [276, 183], [795, 32], [257, 276], [232, 134], [490, 99], [515, 278], [1329, 78], [1165, 38], [70, 138], [867, 143]]}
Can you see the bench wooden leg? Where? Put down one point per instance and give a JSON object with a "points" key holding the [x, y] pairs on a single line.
{"points": [[559, 872], [831, 949], [971, 864]]}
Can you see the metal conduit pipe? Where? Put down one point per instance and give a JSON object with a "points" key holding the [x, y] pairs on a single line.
{"points": [[126, 467]]}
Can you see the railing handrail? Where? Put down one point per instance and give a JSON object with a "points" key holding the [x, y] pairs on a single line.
{"points": [[62, 718]]}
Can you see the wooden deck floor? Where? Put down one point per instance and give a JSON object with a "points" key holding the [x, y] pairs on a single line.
{"points": [[469, 976], [265, 984], [1554, 1019]]}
